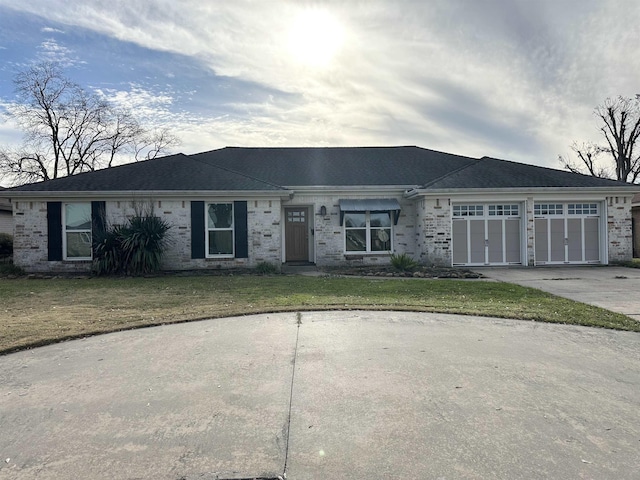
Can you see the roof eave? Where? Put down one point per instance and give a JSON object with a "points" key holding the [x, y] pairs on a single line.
{"points": [[147, 194], [465, 191]]}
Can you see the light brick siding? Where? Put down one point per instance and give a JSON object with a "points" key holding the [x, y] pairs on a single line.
{"points": [[329, 234], [635, 212], [423, 232], [433, 231], [30, 237], [619, 228], [263, 225]]}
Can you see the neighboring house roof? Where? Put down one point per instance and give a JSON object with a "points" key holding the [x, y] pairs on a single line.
{"points": [[279, 169]]}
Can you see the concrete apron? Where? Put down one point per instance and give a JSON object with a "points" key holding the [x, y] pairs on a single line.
{"points": [[613, 288], [347, 395]]}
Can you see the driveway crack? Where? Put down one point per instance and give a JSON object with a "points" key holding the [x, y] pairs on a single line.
{"points": [[293, 376]]}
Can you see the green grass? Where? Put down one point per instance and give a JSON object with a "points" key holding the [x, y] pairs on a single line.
{"points": [[36, 312]]}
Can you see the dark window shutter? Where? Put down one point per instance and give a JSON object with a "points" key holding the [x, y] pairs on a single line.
{"points": [[241, 230], [98, 217], [54, 231], [197, 230]]}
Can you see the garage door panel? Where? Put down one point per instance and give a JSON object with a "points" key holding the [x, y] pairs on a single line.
{"points": [[591, 239], [574, 239], [460, 251], [557, 240], [476, 238], [542, 240], [494, 234], [512, 240]]}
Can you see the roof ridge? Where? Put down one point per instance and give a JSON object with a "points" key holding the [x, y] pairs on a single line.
{"points": [[226, 169], [474, 161]]}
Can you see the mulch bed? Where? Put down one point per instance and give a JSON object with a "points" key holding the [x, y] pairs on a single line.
{"points": [[419, 272]]}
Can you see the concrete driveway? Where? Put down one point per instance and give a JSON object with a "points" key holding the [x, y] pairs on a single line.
{"points": [[613, 288], [344, 395]]}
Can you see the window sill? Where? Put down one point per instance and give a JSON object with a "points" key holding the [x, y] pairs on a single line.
{"points": [[221, 257], [354, 255]]}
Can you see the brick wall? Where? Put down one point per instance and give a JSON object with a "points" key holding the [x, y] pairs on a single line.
{"points": [[263, 225], [329, 234], [30, 237], [433, 231], [619, 228]]}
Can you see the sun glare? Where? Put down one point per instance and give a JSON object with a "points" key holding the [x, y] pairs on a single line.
{"points": [[315, 37]]}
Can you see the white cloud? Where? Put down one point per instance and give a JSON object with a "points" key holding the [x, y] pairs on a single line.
{"points": [[514, 79], [51, 50], [51, 30]]}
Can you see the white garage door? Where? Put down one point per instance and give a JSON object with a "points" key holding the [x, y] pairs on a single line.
{"points": [[567, 233], [487, 234]]}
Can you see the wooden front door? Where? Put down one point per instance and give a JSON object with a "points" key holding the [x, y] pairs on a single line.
{"points": [[296, 231]]}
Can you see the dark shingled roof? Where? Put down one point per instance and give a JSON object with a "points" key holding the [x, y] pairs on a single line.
{"points": [[338, 166], [492, 173], [172, 173], [276, 169]]}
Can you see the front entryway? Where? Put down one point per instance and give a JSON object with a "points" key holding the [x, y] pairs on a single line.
{"points": [[296, 232]]}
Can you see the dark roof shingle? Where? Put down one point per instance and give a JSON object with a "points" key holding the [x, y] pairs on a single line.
{"points": [[278, 169]]}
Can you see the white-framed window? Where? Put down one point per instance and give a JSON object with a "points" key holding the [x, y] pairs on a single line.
{"points": [[548, 209], [220, 236], [76, 231], [368, 232], [510, 210], [582, 208], [468, 210]]}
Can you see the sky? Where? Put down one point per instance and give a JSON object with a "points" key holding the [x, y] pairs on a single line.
{"points": [[510, 79]]}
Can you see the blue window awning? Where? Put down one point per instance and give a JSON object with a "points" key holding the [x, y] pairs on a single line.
{"points": [[370, 205]]}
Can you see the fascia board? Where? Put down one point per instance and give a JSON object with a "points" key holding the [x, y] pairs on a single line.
{"points": [[485, 192], [355, 189], [154, 194]]}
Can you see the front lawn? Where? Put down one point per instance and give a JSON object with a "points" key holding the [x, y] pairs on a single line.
{"points": [[38, 311]]}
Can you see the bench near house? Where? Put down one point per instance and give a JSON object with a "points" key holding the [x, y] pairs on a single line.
{"points": [[237, 207]]}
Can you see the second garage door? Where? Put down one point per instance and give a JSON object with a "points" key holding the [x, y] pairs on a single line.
{"points": [[567, 233]]}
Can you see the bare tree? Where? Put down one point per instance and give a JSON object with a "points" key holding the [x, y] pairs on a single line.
{"points": [[588, 160], [620, 119], [68, 130]]}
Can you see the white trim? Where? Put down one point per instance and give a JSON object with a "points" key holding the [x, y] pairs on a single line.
{"points": [[485, 218], [151, 194], [565, 217], [368, 229], [63, 216], [207, 230]]}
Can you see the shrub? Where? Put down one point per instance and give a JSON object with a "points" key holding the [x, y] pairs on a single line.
{"points": [[403, 262], [144, 244], [6, 245], [108, 257], [135, 248], [266, 268], [10, 269]]}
